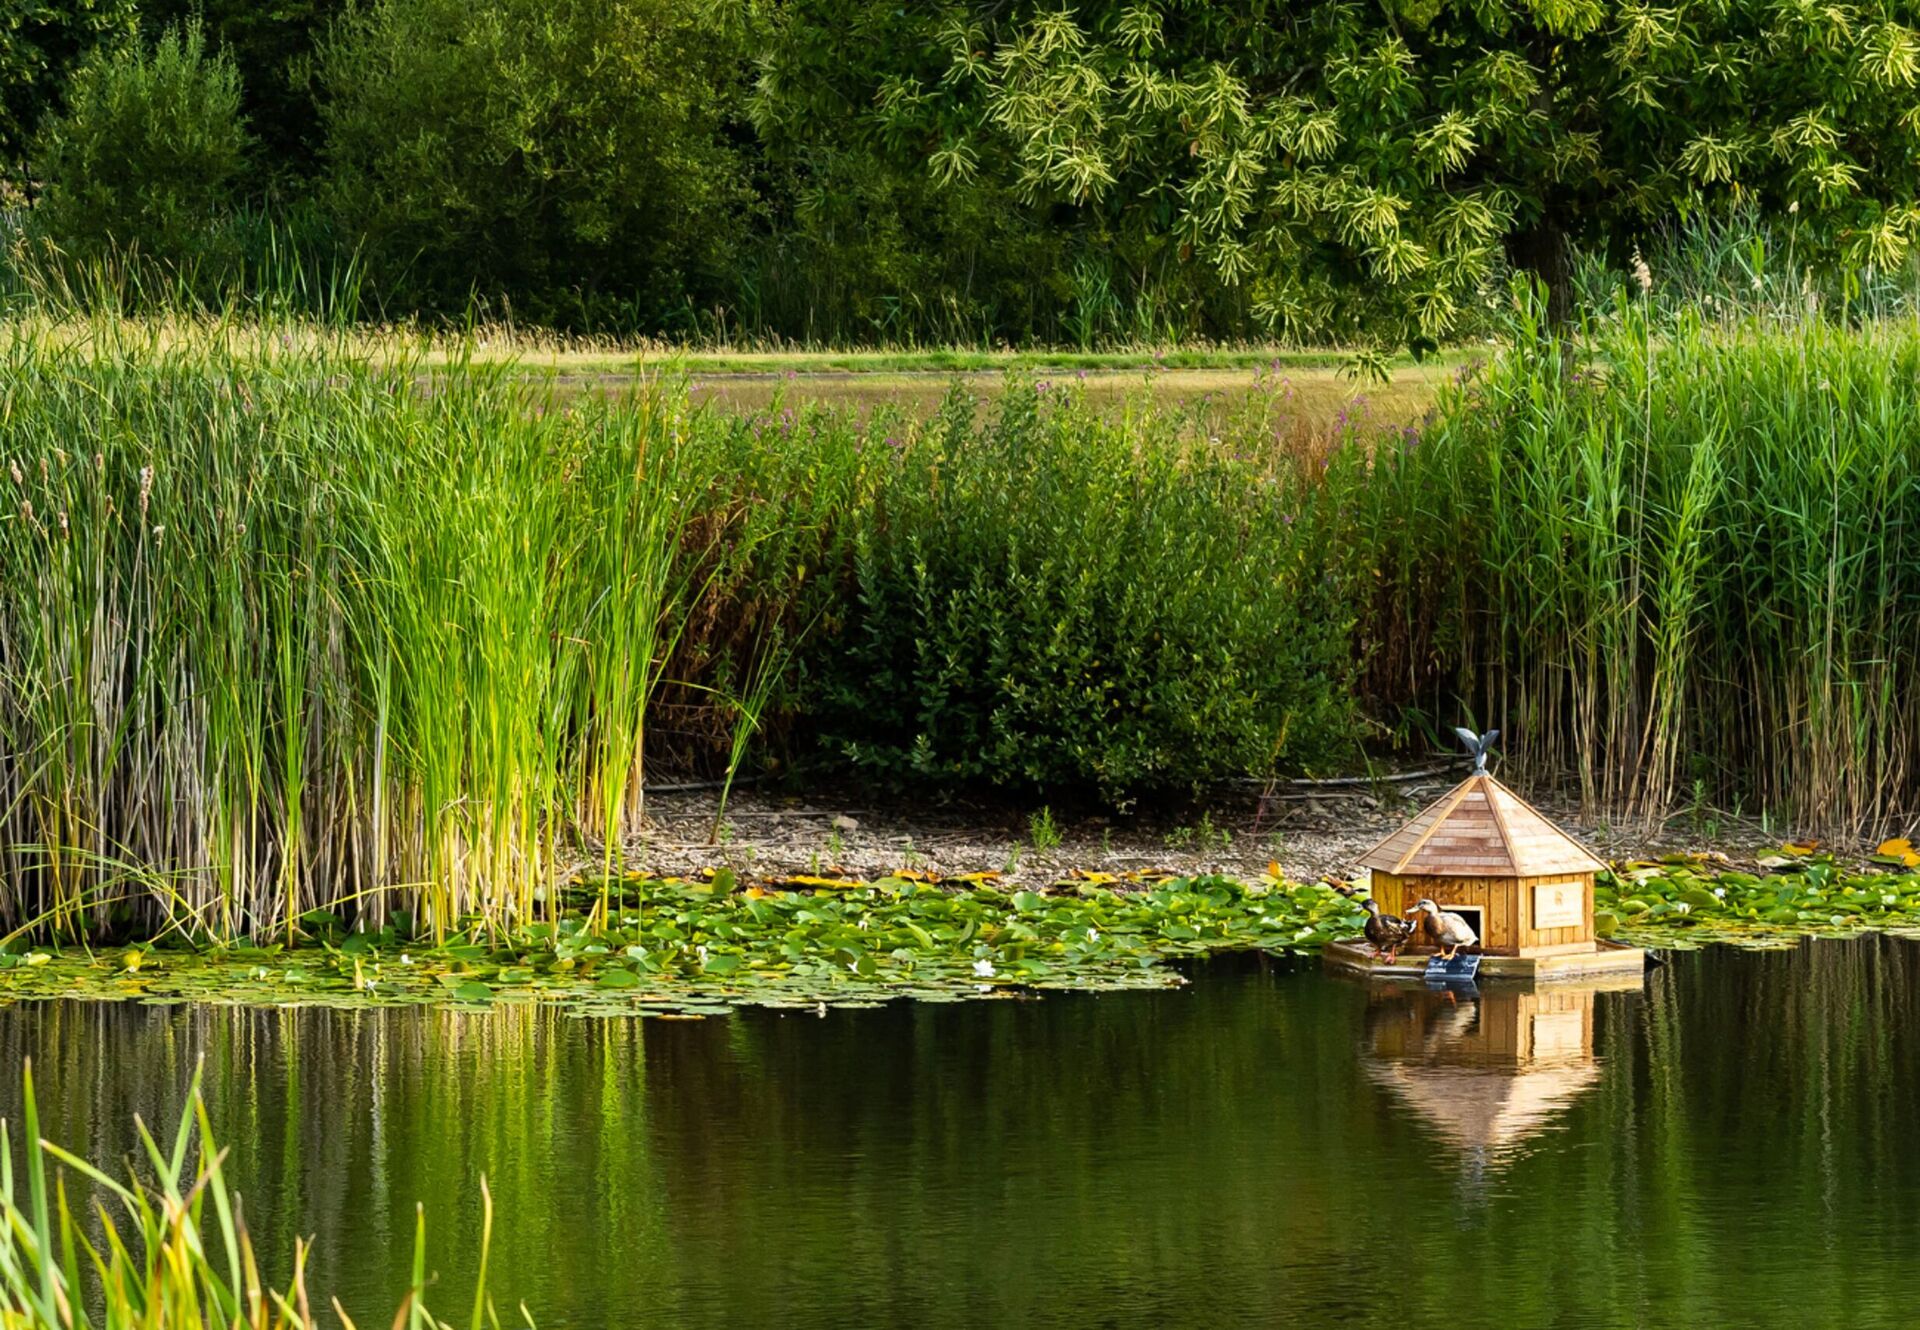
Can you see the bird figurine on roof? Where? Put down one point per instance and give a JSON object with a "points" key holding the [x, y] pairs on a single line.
{"points": [[1387, 932], [1449, 931], [1478, 746]]}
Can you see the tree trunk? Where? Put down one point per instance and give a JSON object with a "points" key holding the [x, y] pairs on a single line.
{"points": [[1542, 250]]}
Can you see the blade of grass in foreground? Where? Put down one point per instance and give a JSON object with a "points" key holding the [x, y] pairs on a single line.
{"points": [[147, 1252]]}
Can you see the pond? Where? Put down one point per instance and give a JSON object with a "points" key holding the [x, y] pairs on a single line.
{"points": [[1732, 1143]]}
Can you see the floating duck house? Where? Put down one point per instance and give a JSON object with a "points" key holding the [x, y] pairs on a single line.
{"points": [[1526, 887]]}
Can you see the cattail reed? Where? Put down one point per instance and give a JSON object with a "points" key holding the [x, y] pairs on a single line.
{"points": [[380, 638]]}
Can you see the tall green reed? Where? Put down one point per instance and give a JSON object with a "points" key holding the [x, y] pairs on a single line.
{"points": [[1672, 551], [282, 628]]}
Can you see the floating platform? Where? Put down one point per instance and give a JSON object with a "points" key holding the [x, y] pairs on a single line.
{"points": [[1583, 961]]}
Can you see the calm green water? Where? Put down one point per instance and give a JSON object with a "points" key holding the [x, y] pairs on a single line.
{"points": [[1734, 1144]]}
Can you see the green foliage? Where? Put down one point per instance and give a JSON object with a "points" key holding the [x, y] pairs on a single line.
{"points": [[566, 156], [1096, 173], [1361, 169], [149, 153], [411, 640], [1041, 829], [41, 41], [1053, 599], [272, 42], [1682, 902], [350, 610]]}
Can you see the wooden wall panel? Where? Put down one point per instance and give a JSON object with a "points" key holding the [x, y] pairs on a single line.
{"points": [[1505, 903]]}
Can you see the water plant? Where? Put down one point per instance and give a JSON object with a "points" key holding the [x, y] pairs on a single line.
{"points": [[289, 624], [292, 620], [167, 1248], [284, 626], [704, 945], [1690, 900], [1659, 555]]}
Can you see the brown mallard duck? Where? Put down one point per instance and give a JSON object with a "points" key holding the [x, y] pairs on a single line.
{"points": [[1448, 931], [1387, 932]]}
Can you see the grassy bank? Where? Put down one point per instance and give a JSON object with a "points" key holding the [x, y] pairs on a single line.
{"points": [[287, 626]]}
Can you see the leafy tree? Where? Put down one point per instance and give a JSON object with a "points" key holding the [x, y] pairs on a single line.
{"points": [[272, 42], [149, 152], [40, 43], [1364, 169], [565, 154]]}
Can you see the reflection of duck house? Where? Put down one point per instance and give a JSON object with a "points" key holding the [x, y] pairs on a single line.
{"points": [[1486, 1073], [1481, 851]]}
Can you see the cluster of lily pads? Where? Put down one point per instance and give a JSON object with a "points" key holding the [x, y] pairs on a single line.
{"points": [[694, 947], [1687, 901], [683, 947]]}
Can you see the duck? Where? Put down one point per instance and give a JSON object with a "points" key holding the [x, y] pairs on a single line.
{"points": [[1387, 932], [1449, 931]]}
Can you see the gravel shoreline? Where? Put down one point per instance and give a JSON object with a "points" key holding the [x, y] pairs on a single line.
{"points": [[1312, 835]]}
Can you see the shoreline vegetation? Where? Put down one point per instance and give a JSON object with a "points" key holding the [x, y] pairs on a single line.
{"points": [[688, 947], [163, 1244], [287, 628]]}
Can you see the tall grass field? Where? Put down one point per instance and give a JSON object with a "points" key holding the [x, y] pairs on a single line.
{"points": [[286, 624]]}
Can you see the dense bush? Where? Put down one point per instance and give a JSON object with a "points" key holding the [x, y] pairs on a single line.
{"points": [[564, 155], [149, 153], [1050, 598], [1076, 171], [40, 43]]}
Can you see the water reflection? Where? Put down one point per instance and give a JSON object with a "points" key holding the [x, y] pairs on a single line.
{"points": [[1730, 1146], [1485, 1069]]}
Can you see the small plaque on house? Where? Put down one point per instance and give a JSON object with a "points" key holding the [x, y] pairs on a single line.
{"points": [[1560, 905]]}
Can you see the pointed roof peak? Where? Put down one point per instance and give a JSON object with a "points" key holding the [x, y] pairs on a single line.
{"points": [[1480, 828]]}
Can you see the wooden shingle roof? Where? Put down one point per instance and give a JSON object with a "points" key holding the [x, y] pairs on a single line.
{"points": [[1480, 828]]}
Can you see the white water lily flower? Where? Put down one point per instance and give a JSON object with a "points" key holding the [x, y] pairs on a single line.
{"points": [[864, 924], [701, 952], [1093, 935], [1721, 892], [983, 968], [1684, 908], [1888, 898], [405, 959]]}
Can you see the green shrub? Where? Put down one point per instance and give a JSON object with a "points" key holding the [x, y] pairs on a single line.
{"points": [[564, 156], [149, 154], [1049, 598], [40, 43]]}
